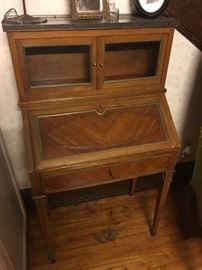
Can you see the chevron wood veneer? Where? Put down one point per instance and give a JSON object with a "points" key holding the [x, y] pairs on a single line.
{"points": [[88, 131]]}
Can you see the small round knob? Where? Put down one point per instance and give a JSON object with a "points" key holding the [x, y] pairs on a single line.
{"points": [[94, 64], [101, 65]]}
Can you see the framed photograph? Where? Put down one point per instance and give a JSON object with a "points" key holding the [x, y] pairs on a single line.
{"points": [[89, 9], [150, 8]]}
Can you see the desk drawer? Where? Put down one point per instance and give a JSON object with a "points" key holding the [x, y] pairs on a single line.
{"points": [[111, 173]]}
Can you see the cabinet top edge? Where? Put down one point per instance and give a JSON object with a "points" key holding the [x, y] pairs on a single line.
{"points": [[64, 22]]}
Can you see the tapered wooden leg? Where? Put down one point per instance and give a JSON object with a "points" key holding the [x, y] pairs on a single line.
{"points": [[163, 192], [41, 207], [47, 207], [133, 186]]}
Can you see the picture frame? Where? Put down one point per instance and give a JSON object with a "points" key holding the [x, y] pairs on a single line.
{"points": [[89, 9], [150, 8]]}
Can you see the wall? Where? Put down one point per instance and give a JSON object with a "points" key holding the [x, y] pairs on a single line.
{"points": [[183, 84]]}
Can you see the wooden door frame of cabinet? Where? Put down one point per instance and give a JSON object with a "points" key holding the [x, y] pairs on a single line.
{"points": [[85, 37], [21, 72], [161, 68]]}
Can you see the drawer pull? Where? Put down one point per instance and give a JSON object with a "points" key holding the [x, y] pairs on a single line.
{"points": [[101, 65], [94, 64], [101, 111]]}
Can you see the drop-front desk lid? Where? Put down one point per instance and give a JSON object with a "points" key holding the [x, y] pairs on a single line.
{"points": [[100, 132]]}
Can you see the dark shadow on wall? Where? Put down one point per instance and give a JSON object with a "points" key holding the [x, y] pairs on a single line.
{"points": [[183, 198], [193, 117], [189, 15]]}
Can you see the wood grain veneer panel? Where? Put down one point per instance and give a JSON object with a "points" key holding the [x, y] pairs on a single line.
{"points": [[102, 175], [77, 180], [84, 132], [142, 167]]}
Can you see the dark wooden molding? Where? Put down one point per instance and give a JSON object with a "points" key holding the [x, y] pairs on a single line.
{"points": [[189, 15], [181, 177]]}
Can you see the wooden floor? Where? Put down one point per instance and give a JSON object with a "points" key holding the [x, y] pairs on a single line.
{"points": [[113, 234]]}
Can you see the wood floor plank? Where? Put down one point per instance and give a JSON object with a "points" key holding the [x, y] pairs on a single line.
{"points": [[113, 234]]}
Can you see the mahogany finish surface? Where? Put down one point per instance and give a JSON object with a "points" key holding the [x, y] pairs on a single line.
{"points": [[93, 105], [89, 132]]}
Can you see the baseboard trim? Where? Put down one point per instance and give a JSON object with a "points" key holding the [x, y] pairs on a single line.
{"points": [[181, 176]]}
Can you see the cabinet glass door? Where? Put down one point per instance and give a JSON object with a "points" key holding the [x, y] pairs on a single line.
{"points": [[132, 60], [57, 65]]}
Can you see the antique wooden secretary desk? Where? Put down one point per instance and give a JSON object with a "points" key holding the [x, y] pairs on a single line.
{"points": [[93, 104]]}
